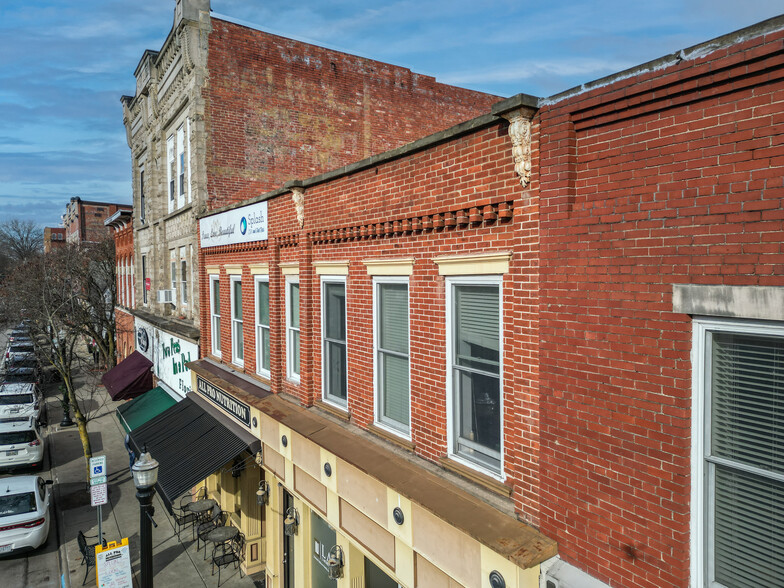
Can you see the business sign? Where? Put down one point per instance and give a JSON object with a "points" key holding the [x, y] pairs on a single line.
{"points": [[113, 565], [169, 355], [99, 495], [238, 409], [239, 225]]}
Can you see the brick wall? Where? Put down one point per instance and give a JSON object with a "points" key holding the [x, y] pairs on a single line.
{"points": [[460, 197], [126, 339], [672, 176], [277, 109]]}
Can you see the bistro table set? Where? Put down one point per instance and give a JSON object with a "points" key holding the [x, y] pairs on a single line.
{"points": [[210, 524]]}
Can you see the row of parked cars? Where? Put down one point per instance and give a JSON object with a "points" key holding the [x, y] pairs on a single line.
{"points": [[24, 499]]}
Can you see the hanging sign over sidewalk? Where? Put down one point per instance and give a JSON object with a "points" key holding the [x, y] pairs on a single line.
{"points": [[113, 565]]}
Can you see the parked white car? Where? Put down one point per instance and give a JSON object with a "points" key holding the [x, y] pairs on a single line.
{"points": [[21, 444], [24, 513], [20, 402]]}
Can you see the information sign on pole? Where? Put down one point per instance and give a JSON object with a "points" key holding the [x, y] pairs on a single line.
{"points": [[97, 480], [113, 565], [98, 466], [98, 495]]}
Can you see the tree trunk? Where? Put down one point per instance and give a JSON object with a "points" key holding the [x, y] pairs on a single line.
{"points": [[81, 423]]}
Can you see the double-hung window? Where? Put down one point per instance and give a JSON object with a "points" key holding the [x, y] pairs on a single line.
{"points": [[262, 326], [144, 280], [183, 276], [391, 353], [142, 198], [171, 171], [173, 272], [738, 437], [292, 327], [237, 341], [215, 329], [181, 166], [474, 364], [333, 329]]}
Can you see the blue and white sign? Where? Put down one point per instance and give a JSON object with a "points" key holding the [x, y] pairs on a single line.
{"points": [[97, 466], [239, 225]]}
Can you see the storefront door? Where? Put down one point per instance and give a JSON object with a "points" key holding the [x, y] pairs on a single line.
{"points": [[288, 546], [324, 539]]}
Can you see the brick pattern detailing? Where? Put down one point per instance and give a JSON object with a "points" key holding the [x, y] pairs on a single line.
{"points": [[277, 109], [673, 176]]}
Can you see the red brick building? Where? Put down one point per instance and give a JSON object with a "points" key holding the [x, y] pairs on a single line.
{"points": [[53, 237], [84, 220], [122, 224], [544, 347]]}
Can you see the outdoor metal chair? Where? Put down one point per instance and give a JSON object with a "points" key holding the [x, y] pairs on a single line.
{"points": [[218, 518], [183, 517], [88, 552], [225, 554]]}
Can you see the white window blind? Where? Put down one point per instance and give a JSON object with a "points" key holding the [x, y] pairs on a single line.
{"points": [[746, 460], [392, 359]]}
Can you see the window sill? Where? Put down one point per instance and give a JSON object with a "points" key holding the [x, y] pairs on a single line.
{"points": [[391, 437], [484, 480], [340, 413]]}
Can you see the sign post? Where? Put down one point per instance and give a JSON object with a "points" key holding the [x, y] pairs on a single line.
{"points": [[99, 492]]}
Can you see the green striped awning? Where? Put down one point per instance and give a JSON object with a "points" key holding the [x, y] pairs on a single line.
{"points": [[142, 408]]}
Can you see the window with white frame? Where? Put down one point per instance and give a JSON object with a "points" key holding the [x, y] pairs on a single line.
{"points": [[183, 276], [215, 328], [181, 166], [262, 326], [171, 170], [391, 353], [237, 340], [173, 274], [333, 331], [292, 327], [738, 493], [142, 196], [474, 364], [132, 285], [144, 280]]}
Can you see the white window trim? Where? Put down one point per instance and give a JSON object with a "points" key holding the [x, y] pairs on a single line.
{"points": [[494, 280], [183, 282], [701, 326], [171, 155], [213, 335], [182, 165], [132, 286], [238, 361], [142, 195], [377, 281], [333, 279], [258, 279], [145, 268], [290, 375]]}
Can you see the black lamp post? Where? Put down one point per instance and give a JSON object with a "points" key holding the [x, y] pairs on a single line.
{"points": [[145, 475]]}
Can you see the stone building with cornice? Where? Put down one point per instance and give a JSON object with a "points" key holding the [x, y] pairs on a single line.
{"points": [[223, 112]]}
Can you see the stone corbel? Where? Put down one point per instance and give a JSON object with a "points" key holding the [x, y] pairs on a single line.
{"points": [[298, 196], [520, 133]]}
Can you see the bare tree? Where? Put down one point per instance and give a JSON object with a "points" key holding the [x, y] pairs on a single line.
{"points": [[21, 239], [45, 291]]}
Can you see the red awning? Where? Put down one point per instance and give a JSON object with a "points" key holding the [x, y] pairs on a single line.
{"points": [[129, 378]]}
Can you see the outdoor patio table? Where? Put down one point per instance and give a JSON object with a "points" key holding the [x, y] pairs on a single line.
{"points": [[222, 534], [200, 506]]}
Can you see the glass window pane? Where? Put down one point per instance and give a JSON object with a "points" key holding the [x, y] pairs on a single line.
{"points": [[216, 296], [239, 344], [394, 388], [335, 311], [336, 370], [265, 349], [263, 303], [294, 305], [295, 352], [480, 410], [237, 290], [477, 320], [393, 317]]}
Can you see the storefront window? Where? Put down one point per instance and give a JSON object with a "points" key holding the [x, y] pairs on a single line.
{"points": [[376, 578], [323, 539]]}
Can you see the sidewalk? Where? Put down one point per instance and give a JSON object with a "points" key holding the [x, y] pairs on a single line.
{"points": [[175, 563]]}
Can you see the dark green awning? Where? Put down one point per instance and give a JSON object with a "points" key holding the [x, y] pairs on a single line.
{"points": [[142, 408]]}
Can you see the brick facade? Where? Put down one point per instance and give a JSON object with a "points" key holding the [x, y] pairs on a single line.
{"points": [[672, 176], [54, 237], [84, 220], [122, 225]]}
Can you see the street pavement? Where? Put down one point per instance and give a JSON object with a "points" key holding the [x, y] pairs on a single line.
{"points": [[176, 563]]}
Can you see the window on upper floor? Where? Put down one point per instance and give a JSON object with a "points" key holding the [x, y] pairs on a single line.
{"points": [[215, 325], [390, 333], [738, 477], [183, 276], [237, 337], [292, 328], [181, 166], [171, 170], [262, 326], [333, 330], [173, 274], [144, 280], [142, 196], [474, 364]]}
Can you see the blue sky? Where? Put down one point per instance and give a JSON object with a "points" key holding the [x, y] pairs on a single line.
{"points": [[64, 65]]}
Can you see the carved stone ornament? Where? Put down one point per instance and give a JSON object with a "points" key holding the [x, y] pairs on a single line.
{"points": [[520, 132], [298, 196]]}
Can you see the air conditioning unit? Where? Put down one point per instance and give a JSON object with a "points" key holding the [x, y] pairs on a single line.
{"points": [[166, 296]]}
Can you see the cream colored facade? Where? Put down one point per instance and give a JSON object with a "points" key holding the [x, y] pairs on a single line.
{"points": [[422, 551]]}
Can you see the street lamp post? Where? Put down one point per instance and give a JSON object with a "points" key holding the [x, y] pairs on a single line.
{"points": [[145, 475]]}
